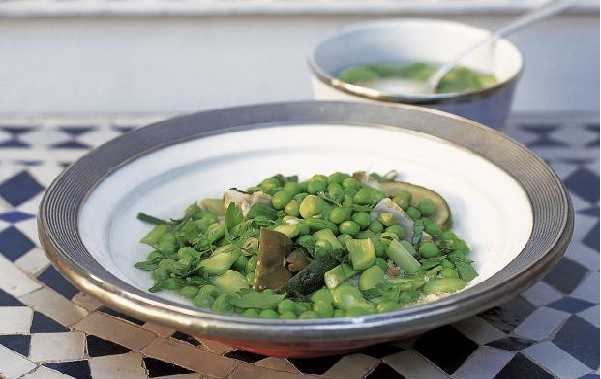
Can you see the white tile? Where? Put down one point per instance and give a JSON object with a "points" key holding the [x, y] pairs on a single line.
{"points": [[541, 294], [44, 137], [588, 289], [122, 366], [14, 281], [591, 315], [13, 365], [30, 229], [115, 330], [98, 137], [55, 306], [159, 330], [479, 330], [44, 372], [413, 365], [560, 363], [87, 301], [541, 323], [31, 206], [45, 174], [15, 320], [583, 254], [485, 362], [33, 262], [68, 346], [352, 366], [278, 364]]}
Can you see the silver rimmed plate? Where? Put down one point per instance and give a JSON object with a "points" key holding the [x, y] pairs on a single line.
{"points": [[509, 205]]}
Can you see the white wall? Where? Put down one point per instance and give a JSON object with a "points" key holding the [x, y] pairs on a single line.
{"points": [[178, 64]]}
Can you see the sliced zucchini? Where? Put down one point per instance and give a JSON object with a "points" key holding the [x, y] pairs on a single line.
{"points": [[442, 217]]}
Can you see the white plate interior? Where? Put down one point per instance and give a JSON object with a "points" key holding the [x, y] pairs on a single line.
{"points": [[490, 209]]}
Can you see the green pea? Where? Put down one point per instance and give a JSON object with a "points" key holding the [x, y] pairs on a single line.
{"points": [[287, 315], [280, 199], [376, 227], [459, 245], [317, 184], [323, 308], [301, 307], [396, 229], [337, 177], [310, 206], [292, 188], [414, 213], [366, 234], [429, 250], [308, 314], [203, 301], [335, 187], [270, 185], [322, 248], [362, 218], [387, 219], [268, 313], [351, 183], [189, 292], [445, 263], [448, 235], [292, 208], [403, 199], [387, 306], [363, 196], [250, 312], [427, 207], [286, 305], [322, 294], [427, 221], [349, 227], [299, 197], [433, 230], [339, 313], [339, 215], [380, 247]]}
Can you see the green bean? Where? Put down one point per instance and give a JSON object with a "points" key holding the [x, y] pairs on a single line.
{"points": [[322, 248], [403, 258], [230, 282], [155, 235], [371, 277], [444, 285], [328, 235], [289, 230], [322, 294], [338, 275], [240, 264], [348, 297], [292, 208], [449, 273], [362, 253], [387, 219], [409, 247]]}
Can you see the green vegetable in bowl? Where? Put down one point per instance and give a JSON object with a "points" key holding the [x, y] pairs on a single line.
{"points": [[332, 246]]}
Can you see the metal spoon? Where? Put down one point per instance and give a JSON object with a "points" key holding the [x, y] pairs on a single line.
{"points": [[548, 9]]}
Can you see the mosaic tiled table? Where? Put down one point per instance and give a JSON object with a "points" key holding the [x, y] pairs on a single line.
{"points": [[48, 329]]}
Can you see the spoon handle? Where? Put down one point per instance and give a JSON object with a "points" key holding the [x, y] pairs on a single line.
{"points": [[548, 9]]}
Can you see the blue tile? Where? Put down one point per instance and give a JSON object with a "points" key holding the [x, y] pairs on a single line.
{"points": [[13, 144], [591, 239], [20, 188], [14, 217], [521, 367], [43, 324], [511, 344], [55, 280], [383, 371], [592, 211], [508, 316], [566, 275], [77, 369], [70, 145], [77, 130], [185, 338], [590, 376], [98, 347], [8, 300], [123, 316], [156, 368], [571, 305], [449, 360], [584, 183], [124, 129], [315, 366], [17, 129], [580, 339], [14, 244], [245, 356], [17, 342]]}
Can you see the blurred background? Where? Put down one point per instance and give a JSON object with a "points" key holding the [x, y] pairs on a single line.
{"points": [[107, 56]]}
